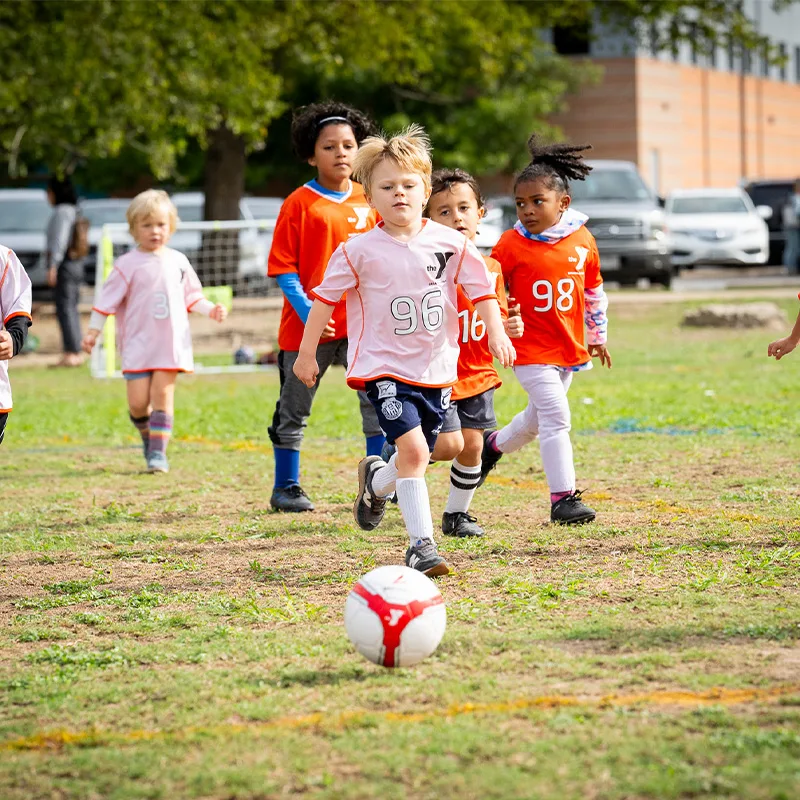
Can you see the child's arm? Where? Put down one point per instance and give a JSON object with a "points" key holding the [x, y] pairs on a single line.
{"points": [[112, 296], [499, 343], [15, 301], [193, 296], [289, 284], [306, 367], [596, 319], [782, 347]]}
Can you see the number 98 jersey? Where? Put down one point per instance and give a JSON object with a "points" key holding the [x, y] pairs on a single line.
{"points": [[402, 305], [548, 280]]}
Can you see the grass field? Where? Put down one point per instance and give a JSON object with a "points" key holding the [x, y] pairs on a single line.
{"points": [[169, 637]]}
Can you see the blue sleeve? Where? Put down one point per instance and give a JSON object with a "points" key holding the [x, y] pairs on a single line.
{"points": [[289, 284]]}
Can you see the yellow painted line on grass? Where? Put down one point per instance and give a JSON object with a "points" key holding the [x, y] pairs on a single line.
{"points": [[48, 740]]}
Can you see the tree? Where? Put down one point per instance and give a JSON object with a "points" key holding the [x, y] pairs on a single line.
{"points": [[86, 79]]}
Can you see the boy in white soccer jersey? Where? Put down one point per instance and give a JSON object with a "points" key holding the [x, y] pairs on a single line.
{"points": [[151, 290], [400, 281], [15, 311]]}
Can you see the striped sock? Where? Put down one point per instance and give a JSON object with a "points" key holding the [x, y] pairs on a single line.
{"points": [[160, 431], [142, 424], [463, 482]]}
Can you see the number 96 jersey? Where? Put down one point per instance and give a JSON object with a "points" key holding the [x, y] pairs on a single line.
{"points": [[402, 305], [548, 280], [151, 293]]}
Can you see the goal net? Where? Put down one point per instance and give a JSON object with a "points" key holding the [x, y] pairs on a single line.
{"points": [[230, 259]]}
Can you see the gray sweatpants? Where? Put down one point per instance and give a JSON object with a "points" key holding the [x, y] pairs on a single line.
{"points": [[68, 287], [294, 402]]}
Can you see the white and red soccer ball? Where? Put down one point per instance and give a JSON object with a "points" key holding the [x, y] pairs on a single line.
{"points": [[395, 616]]}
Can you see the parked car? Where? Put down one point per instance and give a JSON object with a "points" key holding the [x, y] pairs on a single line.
{"points": [[24, 214], [627, 220], [716, 226], [775, 195], [99, 212]]}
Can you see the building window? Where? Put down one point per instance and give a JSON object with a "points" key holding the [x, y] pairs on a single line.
{"points": [[573, 40]]}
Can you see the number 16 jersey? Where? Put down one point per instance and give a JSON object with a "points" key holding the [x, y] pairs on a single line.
{"points": [[402, 304], [548, 280]]}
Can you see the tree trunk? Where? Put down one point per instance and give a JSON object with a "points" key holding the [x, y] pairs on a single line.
{"points": [[218, 260]]}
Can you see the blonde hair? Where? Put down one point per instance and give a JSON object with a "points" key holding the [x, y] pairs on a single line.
{"points": [[410, 149], [147, 203]]}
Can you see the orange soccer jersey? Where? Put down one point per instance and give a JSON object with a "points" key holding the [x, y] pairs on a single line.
{"points": [[548, 280], [476, 371], [310, 226]]}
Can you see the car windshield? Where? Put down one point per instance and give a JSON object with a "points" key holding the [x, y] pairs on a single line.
{"points": [[24, 216], [729, 204], [104, 214], [610, 184]]}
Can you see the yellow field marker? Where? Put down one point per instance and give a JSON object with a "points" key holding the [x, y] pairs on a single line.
{"points": [[48, 740]]}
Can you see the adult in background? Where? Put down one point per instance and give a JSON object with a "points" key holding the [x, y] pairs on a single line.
{"points": [[791, 224], [64, 273]]}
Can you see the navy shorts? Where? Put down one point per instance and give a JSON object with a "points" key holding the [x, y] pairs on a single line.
{"points": [[402, 407]]}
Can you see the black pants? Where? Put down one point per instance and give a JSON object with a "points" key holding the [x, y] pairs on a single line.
{"points": [[3, 420], [68, 285]]}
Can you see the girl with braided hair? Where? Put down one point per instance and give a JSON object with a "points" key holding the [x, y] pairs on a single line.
{"points": [[551, 265]]}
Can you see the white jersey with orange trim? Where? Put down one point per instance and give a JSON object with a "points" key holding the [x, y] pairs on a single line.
{"points": [[402, 302], [151, 295], [15, 301]]}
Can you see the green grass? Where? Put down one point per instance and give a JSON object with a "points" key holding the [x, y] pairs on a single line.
{"points": [[186, 635]]}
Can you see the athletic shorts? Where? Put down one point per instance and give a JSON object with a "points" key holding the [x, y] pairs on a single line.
{"points": [[134, 376], [402, 407], [471, 412]]}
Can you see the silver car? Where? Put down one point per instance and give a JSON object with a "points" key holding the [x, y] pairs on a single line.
{"points": [[24, 214]]}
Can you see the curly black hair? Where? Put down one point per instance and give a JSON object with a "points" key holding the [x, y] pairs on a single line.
{"points": [[444, 179], [308, 121], [556, 164]]}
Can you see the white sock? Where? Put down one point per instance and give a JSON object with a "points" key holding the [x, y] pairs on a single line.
{"points": [[463, 482], [412, 497], [383, 480]]}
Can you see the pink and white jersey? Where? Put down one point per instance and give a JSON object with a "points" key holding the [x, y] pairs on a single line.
{"points": [[15, 301], [402, 303], [151, 293]]}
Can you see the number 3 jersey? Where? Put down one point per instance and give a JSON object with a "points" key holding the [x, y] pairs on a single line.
{"points": [[559, 289], [151, 295], [402, 303]]}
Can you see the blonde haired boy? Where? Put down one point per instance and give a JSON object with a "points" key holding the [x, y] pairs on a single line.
{"points": [[400, 281]]}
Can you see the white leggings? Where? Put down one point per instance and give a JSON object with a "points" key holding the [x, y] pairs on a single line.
{"points": [[547, 415]]}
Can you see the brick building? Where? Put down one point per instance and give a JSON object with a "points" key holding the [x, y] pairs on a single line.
{"points": [[690, 119]]}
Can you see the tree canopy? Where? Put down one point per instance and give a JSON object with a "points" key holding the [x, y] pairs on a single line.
{"points": [[86, 80]]}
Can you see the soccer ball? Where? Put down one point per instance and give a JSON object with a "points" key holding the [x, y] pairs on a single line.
{"points": [[395, 616]]}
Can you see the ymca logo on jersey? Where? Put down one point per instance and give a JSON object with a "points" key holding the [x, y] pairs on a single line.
{"points": [[362, 217], [583, 253], [392, 409], [439, 267], [386, 389]]}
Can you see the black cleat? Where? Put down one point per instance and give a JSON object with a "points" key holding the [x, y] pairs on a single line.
{"points": [[489, 458], [290, 499], [461, 524], [368, 508], [570, 510], [424, 557]]}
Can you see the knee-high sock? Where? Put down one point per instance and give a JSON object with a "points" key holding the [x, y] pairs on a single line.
{"points": [[142, 424], [463, 482], [384, 479], [287, 467], [415, 506], [160, 431]]}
